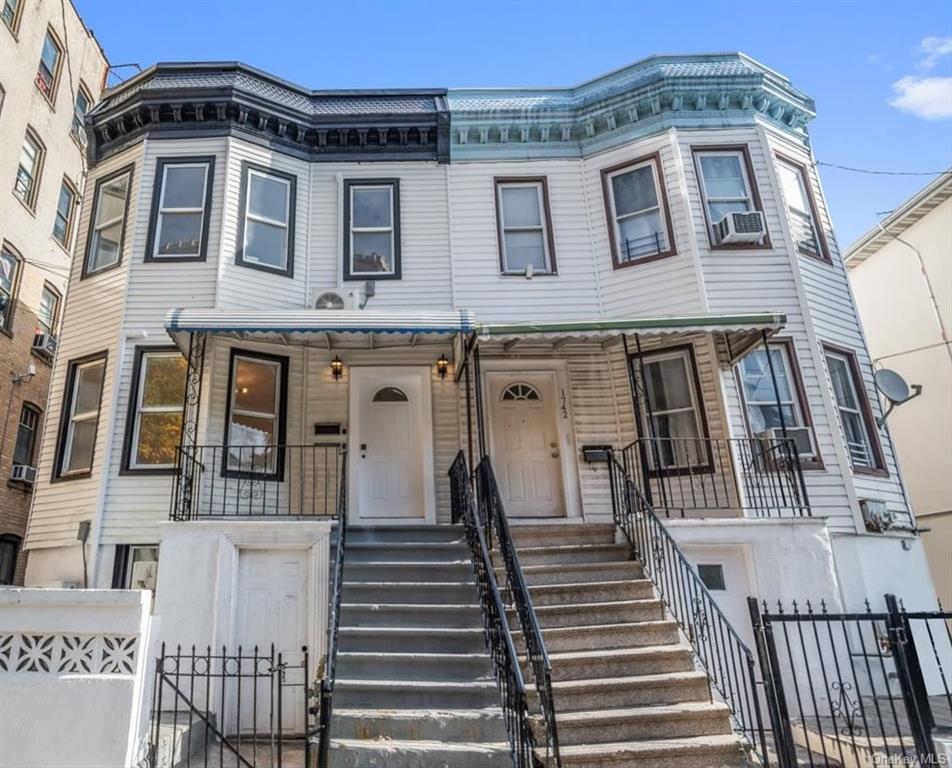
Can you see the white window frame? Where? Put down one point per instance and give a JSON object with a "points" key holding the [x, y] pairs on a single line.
{"points": [[372, 230], [48, 328], [34, 412], [131, 562], [696, 405], [162, 210], [542, 229], [748, 199], [140, 408], [75, 418], [620, 257], [275, 417], [868, 461], [791, 385], [249, 216]]}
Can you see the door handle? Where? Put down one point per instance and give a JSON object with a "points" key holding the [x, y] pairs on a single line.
{"points": [[555, 454]]}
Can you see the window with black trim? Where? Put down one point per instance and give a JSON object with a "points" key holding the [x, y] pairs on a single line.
{"points": [[726, 178], [9, 552], [154, 424], [372, 229], [135, 566], [24, 450], [81, 106], [65, 210], [801, 209], [47, 74], [29, 168], [639, 222], [853, 408], [255, 423], [80, 419], [712, 575], [9, 278], [11, 14], [524, 226], [181, 207], [48, 311], [266, 230], [108, 229]]}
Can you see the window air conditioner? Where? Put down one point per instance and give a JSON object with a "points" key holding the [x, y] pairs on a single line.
{"points": [[45, 344], [740, 227], [21, 473], [802, 438]]}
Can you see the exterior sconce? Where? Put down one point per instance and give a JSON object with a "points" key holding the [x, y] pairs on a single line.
{"points": [[442, 366], [337, 368]]}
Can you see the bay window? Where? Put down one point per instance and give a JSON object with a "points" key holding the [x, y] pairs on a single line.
{"points": [[524, 227], [154, 425], [255, 423], [801, 210], [727, 185], [107, 231], [181, 205], [80, 421], [266, 236], [638, 216], [372, 229]]}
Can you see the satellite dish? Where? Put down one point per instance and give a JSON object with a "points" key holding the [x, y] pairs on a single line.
{"points": [[893, 387], [329, 300]]}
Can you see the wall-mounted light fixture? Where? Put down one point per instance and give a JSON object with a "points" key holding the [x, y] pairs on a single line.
{"points": [[337, 368], [442, 366]]}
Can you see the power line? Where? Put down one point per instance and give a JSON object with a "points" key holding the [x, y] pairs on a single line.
{"points": [[884, 173]]}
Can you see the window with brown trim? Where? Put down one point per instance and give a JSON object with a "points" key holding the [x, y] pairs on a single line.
{"points": [[854, 410], [65, 210], [801, 209], [727, 183], [10, 262], [48, 311], [81, 106], [29, 169], [636, 204], [51, 62], [11, 13], [524, 226]]}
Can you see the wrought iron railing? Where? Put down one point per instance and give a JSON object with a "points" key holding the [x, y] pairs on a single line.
{"points": [[215, 481], [718, 647], [493, 517], [683, 477], [502, 650], [327, 674]]}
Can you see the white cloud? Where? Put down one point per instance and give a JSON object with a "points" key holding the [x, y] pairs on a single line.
{"points": [[932, 49], [927, 97]]}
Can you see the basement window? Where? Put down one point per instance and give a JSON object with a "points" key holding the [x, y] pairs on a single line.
{"points": [[713, 577]]}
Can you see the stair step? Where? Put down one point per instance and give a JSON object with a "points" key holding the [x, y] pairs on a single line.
{"points": [[593, 614], [406, 534], [722, 751], [571, 553], [459, 667], [606, 636], [407, 571], [412, 639], [621, 662], [476, 725], [591, 592], [415, 694], [639, 723], [384, 753], [636, 691], [567, 533], [419, 552], [578, 572], [424, 592], [410, 615]]}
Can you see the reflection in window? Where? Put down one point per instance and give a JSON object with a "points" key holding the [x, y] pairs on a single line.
{"points": [[181, 207], [520, 392], [255, 410], [390, 395], [268, 217], [372, 213], [157, 422], [636, 213], [86, 380], [105, 247], [524, 227]]}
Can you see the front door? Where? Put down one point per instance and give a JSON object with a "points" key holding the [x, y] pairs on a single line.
{"points": [[272, 609], [389, 444], [525, 443]]}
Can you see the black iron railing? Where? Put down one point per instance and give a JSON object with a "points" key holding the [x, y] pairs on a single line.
{"points": [[327, 674], [684, 477], [247, 708], [492, 516], [215, 481], [865, 688], [725, 657], [502, 650]]}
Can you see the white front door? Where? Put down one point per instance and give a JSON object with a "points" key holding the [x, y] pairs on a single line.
{"points": [[272, 608], [525, 443], [391, 443]]}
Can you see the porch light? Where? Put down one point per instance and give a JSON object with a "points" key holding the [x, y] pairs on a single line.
{"points": [[337, 368], [442, 366]]}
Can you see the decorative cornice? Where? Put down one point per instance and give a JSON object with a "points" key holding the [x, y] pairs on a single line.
{"points": [[706, 90], [200, 99]]}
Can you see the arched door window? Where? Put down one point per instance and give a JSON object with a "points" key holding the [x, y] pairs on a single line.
{"points": [[390, 395], [520, 392]]}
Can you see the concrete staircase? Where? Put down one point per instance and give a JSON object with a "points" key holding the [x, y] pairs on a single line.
{"points": [[415, 687], [626, 690]]}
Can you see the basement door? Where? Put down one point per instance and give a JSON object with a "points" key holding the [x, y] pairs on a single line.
{"points": [[525, 444], [272, 608]]}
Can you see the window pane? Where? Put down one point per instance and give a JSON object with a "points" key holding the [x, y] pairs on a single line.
{"points": [[668, 384], [758, 384], [50, 54], [106, 246], [265, 243], [523, 249], [143, 568], [9, 14], [8, 267], [159, 435], [28, 155], [248, 440], [88, 389], [268, 197], [255, 386], [82, 104], [47, 311], [766, 416], [841, 376], [112, 199], [180, 234], [720, 210], [371, 207], [641, 235], [521, 207], [723, 176], [678, 425], [634, 190], [372, 252], [184, 186], [164, 380], [26, 439], [81, 448], [790, 182]]}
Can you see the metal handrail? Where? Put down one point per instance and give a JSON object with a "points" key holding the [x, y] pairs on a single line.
{"points": [[493, 519]]}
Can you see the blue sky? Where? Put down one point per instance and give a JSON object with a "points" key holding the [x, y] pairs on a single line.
{"points": [[880, 72]]}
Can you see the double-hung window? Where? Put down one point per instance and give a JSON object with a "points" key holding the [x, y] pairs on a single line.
{"points": [[9, 268], [110, 205], [11, 14], [255, 424], [47, 74], [726, 185], [48, 310], [638, 216], [853, 408], [154, 426], [80, 107], [525, 227], [82, 402], [372, 229], [24, 450], [181, 205], [65, 208], [28, 169], [267, 220], [801, 210]]}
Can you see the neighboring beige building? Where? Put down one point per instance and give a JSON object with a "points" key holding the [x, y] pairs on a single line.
{"points": [[52, 70], [901, 274]]}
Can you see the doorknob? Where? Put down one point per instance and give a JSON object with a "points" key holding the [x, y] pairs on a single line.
{"points": [[555, 454], [553, 445]]}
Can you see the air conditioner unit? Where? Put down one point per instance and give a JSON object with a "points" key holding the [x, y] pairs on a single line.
{"points": [[45, 344], [802, 438], [21, 473], [740, 227], [876, 515], [334, 298]]}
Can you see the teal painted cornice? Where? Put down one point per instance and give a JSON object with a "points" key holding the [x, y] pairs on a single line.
{"points": [[689, 91]]}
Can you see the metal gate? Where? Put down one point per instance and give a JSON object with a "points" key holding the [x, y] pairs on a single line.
{"points": [[855, 689], [250, 709]]}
